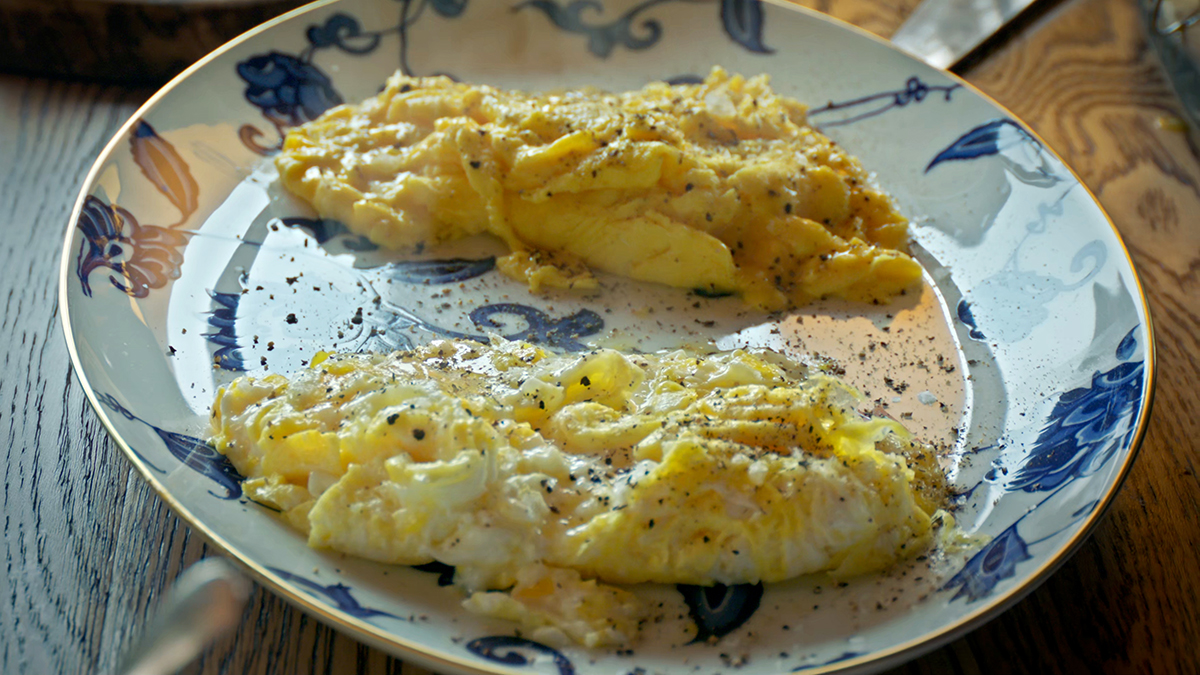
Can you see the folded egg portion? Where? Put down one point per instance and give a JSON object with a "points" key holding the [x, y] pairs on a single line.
{"points": [[544, 479], [721, 186]]}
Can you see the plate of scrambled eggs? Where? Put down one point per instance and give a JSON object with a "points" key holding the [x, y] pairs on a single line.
{"points": [[608, 337]]}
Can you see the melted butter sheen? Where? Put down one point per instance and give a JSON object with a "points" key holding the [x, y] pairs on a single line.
{"points": [[721, 186], [559, 476]]}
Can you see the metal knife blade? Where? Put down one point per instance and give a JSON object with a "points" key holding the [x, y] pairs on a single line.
{"points": [[942, 32]]}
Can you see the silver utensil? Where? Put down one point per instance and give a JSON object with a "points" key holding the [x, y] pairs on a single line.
{"points": [[942, 32], [205, 602]]}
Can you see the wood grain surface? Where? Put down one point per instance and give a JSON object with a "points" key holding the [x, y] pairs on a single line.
{"points": [[88, 549]]}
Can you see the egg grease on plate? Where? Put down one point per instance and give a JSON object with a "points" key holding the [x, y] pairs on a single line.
{"points": [[549, 480], [721, 186]]}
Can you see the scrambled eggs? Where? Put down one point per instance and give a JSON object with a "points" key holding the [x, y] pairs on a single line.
{"points": [[720, 186], [545, 479]]}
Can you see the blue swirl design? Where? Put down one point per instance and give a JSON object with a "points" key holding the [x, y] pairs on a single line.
{"points": [[858, 109], [967, 317], [165, 168], [490, 649], [338, 593], [224, 319], [145, 256], [345, 33], [994, 562], [445, 572], [290, 89], [540, 327], [719, 610], [287, 89], [1086, 427], [447, 271], [601, 37], [742, 21], [324, 229], [192, 452], [987, 139]]}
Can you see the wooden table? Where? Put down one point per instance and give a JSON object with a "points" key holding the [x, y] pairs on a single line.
{"points": [[88, 548]]}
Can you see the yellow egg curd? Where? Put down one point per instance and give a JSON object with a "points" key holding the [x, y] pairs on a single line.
{"points": [[545, 479], [720, 186]]}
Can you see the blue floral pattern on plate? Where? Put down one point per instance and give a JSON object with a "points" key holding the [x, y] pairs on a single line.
{"points": [[194, 453], [508, 650], [290, 89], [339, 594], [1087, 426], [1082, 433], [145, 256]]}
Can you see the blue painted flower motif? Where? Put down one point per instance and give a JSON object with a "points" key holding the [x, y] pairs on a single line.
{"points": [[224, 320], [719, 610], [194, 453], [165, 168], [742, 21], [994, 562], [986, 139], [291, 89], [490, 649], [344, 32], [144, 256], [1086, 427], [603, 37], [339, 594], [855, 110], [288, 90], [1022, 153], [540, 327], [110, 401], [963, 310]]}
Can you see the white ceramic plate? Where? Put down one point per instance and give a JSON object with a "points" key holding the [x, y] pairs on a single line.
{"points": [[1028, 355]]}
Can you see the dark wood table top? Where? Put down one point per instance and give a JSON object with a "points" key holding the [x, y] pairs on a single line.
{"points": [[88, 548]]}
